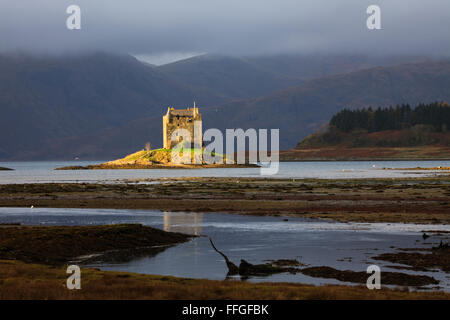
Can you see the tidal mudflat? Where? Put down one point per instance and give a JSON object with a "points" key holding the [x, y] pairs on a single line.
{"points": [[334, 229], [413, 200]]}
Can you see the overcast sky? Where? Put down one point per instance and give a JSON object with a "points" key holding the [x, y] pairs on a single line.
{"points": [[179, 28]]}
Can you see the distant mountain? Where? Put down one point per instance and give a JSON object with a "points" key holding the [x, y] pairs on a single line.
{"points": [[312, 66], [253, 76], [301, 110], [228, 77], [43, 99], [106, 143], [104, 106]]}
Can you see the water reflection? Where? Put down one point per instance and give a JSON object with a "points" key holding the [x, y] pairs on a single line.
{"points": [[184, 222], [253, 238]]}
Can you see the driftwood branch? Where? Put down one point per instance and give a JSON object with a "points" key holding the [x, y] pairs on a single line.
{"points": [[232, 268], [246, 269]]}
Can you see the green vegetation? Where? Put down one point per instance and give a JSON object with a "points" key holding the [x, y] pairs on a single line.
{"points": [[158, 156]]}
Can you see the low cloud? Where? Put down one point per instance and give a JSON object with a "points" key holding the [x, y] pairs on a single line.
{"points": [[179, 27]]}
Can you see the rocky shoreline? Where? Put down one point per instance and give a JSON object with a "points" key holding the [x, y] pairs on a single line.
{"points": [[160, 159], [106, 166]]}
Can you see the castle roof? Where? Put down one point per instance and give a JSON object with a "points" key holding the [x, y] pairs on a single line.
{"points": [[182, 112], [189, 112]]}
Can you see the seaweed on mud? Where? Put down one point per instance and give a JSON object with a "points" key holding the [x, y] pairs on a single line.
{"points": [[388, 278], [435, 257], [56, 245], [246, 270]]}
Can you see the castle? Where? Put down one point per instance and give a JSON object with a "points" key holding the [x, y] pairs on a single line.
{"points": [[189, 119]]}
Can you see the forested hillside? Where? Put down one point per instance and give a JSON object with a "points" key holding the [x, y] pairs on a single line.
{"points": [[401, 132], [435, 115]]}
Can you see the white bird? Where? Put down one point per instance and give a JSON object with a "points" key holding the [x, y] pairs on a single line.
{"points": [[32, 207]]}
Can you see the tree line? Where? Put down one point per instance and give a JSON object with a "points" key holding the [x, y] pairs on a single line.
{"points": [[435, 115]]}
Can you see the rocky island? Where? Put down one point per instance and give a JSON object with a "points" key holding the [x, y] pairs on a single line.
{"points": [[156, 159], [175, 123]]}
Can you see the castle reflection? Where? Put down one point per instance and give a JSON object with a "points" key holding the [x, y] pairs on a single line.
{"points": [[189, 222]]}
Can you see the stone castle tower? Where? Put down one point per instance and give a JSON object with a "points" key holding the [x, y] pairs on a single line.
{"points": [[189, 119]]}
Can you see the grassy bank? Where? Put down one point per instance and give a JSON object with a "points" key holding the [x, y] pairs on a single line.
{"points": [[57, 245], [20, 280]]}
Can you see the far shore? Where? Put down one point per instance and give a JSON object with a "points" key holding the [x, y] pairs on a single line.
{"points": [[421, 168], [345, 153]]}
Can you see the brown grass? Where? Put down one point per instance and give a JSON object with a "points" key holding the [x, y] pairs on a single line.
{"points": [[19, 280]]}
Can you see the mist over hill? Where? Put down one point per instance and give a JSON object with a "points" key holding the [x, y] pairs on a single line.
{"points": [[252, 76], [227, 77]]}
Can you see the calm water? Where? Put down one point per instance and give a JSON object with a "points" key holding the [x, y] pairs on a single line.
{"points": [[256, 239], [32, 172]]}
